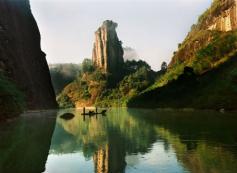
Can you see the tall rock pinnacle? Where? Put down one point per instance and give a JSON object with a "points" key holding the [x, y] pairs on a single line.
{"points": [[108, 51]]}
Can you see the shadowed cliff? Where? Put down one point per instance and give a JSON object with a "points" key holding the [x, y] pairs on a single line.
{"points": [[21, 60]]}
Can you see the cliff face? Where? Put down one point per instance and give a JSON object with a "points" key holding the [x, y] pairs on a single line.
{"points": [[21, 58], [108, 51], [224, 17], [202, 72], [220, 17]]}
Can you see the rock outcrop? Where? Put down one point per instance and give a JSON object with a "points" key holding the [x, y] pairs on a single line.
{"points": [[21, 58], [224, 17], [108, 51], [221, 16]]}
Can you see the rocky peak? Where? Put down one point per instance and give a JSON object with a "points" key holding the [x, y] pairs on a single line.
{"points": [[108, 51]]}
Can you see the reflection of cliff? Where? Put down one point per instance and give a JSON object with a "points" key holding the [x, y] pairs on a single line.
{"points": [[111, 158], [90, 133], [25, 143], [201, 146], [100, 131], [200, 157], [101, 160], [107, 139]]}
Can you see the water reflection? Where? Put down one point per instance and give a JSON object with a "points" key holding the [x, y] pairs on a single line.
{"points": [[130, 140], [204, 141], [25, 142]]}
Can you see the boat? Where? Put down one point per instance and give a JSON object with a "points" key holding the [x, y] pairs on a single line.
{"points": [[91, 113], [103, 112]]}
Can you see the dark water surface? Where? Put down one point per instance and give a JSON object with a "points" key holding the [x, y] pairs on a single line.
{"points": [[126, 140], [25, 142]]}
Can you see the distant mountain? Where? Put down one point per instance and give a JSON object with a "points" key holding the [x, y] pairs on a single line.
{"points": [[130, 54], [63, 74]]}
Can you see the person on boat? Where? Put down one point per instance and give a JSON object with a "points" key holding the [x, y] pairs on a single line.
{"points": [[91, 112]]}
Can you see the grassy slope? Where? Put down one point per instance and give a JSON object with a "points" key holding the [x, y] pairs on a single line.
{"points": [[212, 56], [202, 49], [214, 89]]}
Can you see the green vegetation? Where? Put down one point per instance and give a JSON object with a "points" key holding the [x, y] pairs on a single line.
{"points": [[215, 89], [201, 75], [12, 101], [130, 86], [87, 66], [96, 88], [63, 74], [171, 74], [216, 52], [94, 134], [216, 4], [65, 102], [83, 90], [202, 140]]}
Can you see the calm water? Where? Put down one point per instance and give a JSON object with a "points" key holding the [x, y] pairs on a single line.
{"points": [[126, 140]]}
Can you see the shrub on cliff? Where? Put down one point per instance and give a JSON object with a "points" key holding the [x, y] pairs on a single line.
{"points": [[215, 52], [64, 101]]}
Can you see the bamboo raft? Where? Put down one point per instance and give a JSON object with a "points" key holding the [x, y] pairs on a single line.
{"points": [[92, 113]]}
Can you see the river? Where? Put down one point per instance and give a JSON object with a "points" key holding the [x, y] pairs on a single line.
{"points": [[125, 140]]}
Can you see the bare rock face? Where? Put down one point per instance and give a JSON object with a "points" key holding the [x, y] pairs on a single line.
{"points": [[108, 51], [21, 58], [225, 18], [221, 16]]}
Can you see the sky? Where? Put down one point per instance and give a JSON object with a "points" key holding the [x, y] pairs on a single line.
{"points": [[153, 28]]}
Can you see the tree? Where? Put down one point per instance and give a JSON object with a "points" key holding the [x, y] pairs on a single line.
{"points": [[164, 66], [87, 66]]}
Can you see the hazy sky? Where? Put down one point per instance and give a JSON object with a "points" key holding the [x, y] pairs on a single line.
{"points": [[152, 27]]}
